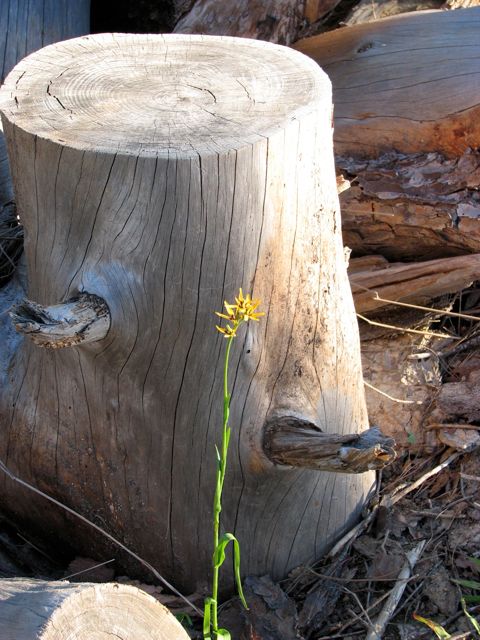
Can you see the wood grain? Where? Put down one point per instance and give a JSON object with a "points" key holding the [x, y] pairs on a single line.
{"points": [[414, 283], [409, 83], [161, 173], [57, 610]]}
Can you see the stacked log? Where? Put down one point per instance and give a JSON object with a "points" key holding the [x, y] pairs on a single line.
{"points": [[406, 136]]}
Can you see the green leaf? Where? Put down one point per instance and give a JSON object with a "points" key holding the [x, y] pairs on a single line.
{"points": [[469, 584], [219, 559], [184, 619], [472, 599], [223, 634], [437, 629], [475, 561], [473, 621]]}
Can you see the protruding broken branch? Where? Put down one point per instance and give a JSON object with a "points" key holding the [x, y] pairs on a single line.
{"points": [[82, 319], [298, 443]]}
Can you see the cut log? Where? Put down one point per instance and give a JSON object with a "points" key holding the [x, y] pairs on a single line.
{"points": [[407, 207], [408, 83], [415, 283], [39, 610], [161, 173]]}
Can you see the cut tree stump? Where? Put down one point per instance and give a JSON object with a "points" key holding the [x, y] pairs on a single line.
{"points": [[159, 174], [408, 83], [39, 610]]}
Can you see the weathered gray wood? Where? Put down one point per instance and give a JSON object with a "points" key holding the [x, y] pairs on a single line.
{"points": [[25, 26], [84, 319], [58, 610], [413, 283], [409, 83], [161, 173], [295, 442]]}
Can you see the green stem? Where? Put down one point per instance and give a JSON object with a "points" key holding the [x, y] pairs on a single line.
{"points": [[220, 477]]}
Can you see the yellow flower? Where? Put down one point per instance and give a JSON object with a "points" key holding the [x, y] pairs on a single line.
{"points": [[228, 331], [243, 310], [246, 307], [231, 311]]}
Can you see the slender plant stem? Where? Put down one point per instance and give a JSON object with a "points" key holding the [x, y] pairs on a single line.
{"points": [[220, 477]]}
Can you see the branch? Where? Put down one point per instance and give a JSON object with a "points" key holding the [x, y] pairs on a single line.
{"points": [[295, 442], [83, 319]]}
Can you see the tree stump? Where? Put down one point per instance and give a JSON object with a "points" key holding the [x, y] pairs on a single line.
{"points": [[39, 610], [155, 175]]}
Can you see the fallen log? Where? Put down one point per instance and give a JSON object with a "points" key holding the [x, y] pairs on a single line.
{"points": [[160, 222], [407, 207], [413, 283], [277, 21], [407, 83], [57, 610]]}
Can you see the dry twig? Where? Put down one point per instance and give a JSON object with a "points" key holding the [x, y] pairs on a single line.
{"points": [[396, 593]]}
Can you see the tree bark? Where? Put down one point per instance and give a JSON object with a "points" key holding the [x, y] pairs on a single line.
{"points": [[161, 188], [277, 21], [39, 610], [407, 207], [392, 87]]}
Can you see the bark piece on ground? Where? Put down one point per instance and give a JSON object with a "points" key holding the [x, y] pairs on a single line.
{"points": [[272, 614]]}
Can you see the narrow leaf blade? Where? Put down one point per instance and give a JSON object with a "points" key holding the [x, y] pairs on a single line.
{"points": [[437, 629]]}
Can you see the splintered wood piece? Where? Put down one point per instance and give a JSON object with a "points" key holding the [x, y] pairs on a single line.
{"points": [[415, 283], [161, 173], [81, 320], [294, 442], [408, 83], [39, 610]]}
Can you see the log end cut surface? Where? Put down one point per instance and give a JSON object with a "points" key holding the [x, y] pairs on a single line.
{"points": [[160, 94], [38, 610]]}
